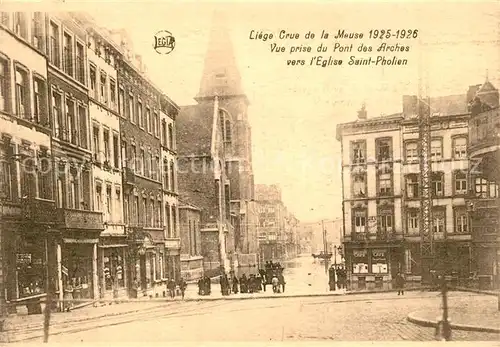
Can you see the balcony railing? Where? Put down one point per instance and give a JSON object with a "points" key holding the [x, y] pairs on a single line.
{"points": [[80, 219], [39, 211], [173, 243]]}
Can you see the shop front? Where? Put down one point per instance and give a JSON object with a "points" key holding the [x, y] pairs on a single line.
{"points": [[78, 271], [373, 267], [112, 265]]}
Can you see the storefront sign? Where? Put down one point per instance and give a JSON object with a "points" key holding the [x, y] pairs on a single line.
{"points": [[359, 253], [80, 240], [379, 255], [23, 258]]}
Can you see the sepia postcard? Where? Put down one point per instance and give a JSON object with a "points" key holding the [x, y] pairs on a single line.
{"points": [[249, 172]]}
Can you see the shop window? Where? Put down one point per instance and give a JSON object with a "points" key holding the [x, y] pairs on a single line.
{"points": [[113, 269], [411, 152], [412, 222], [460, 148], [30, 267], [461, 221], [358, 152], [360, 261], [379, 261], [77, 270], [436, 149], [359, 185], [437, 184], [460, 183], [412, 186]]}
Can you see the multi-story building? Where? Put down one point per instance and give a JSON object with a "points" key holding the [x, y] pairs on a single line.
{"points": [[27, 214], [484, 178], [140, 102], [381, 190], [101, 64], [168, 113], [291, 236], [79, 225], [271, 228], [191, 258]]}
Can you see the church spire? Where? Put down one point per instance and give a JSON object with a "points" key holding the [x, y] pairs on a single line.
{"points": [[220, 74]]}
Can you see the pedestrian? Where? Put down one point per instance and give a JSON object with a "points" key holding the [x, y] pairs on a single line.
{"points": [[182, 286], [400, 283], [200, 287], [171, 288], [331, 278], [275, 281], [282, 281], [208, 285], [235, 285]]}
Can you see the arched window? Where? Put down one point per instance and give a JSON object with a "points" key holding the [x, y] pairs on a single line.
{"points": [[227, 130]]}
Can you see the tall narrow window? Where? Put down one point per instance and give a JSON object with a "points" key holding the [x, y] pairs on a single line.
{"points": [[61, 191], [436, 149], [86, 189], [68, 54], [73, 194], [412, 186], [80, 63], [359, 221], [164, 133], [142, 162], [460, 183], [57, 114], [135, 167], [103, 88], [437, 183], [109, 202], [121, 101], [384, 176], [72, 134], [227, 130], [136, 210], [116, 151], [167, 220], [93, 81], [412, 221], [98, 197], [97, 149], [172, 176], [131, 109], [157, 124], [170, 136], [358, 150], [82, 114], [20, 25], [481, 187], [174, 220], [411, 152], [22, 96], [39, 98], [461, 221], [166, 171], [383, 147], [37, 30], [144, 211], [112, 92], [4, 85], [438, 220], [152, 168], [139, 114], [149, 123], [107, 156], [54, 44], [8, 175]]}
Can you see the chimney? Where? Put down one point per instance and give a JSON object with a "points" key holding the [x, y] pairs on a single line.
{"points": [[362, 114]]}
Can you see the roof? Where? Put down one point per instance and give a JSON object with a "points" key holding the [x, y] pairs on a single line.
{"points": [[194, 129], [487, 87], [188, 206], [449, 104]]}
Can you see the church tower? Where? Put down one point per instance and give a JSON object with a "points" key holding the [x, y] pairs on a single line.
{"points": [[221, 77]]}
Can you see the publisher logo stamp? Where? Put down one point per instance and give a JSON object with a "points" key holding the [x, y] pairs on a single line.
{"points": [[164, 42]]}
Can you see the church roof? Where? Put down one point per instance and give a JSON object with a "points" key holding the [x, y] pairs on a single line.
{"points": [[220, 74], [486, 87], [194, 129]]}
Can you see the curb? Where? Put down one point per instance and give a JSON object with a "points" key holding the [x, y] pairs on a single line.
{"points": [[477, 291], [413, 318]]}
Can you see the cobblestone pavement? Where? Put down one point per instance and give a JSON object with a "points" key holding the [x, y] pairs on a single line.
{"points": [[362, 317]]}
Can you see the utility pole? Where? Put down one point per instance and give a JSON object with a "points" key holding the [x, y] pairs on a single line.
{"points": [[325, 246]]}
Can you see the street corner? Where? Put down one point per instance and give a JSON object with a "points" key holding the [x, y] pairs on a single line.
{"points": [[458, 321]]}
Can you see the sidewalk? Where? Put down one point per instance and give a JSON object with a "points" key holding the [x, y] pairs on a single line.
{"points": [[474, 313]]}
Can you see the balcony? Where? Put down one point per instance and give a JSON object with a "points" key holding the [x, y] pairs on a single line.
{"points": [[39, 211], [128, 176], [173, 243], [79, 219]]}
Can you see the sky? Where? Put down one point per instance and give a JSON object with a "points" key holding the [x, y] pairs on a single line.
{"points": [[295, 109]]}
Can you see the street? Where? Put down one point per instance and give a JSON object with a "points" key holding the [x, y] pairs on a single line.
{"points": [[361, 317]]}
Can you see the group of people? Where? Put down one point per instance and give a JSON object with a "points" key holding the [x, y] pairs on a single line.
{"points": [[172, 287], [337, 277], [204, 286]]}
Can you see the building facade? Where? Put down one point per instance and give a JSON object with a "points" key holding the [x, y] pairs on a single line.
{"points": [[483, 203], [381, 191], [191, 258]]}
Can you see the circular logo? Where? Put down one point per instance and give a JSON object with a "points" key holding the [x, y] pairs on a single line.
{"points": [[164, 42]]}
